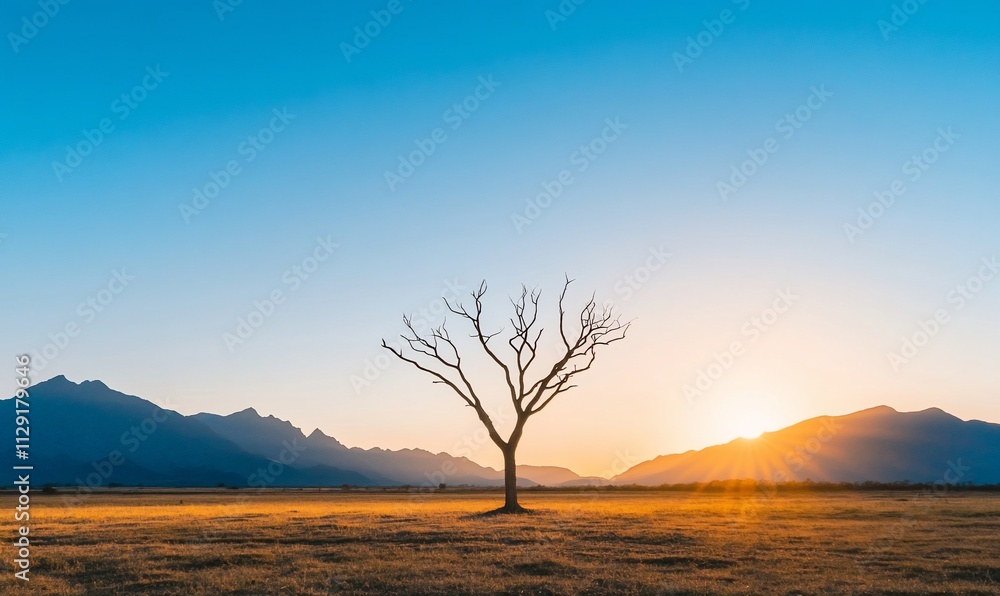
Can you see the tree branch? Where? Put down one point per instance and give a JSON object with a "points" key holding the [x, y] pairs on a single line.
{"points": [[441, 355]]}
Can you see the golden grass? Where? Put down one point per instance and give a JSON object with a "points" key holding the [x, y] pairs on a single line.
{"points": [[642, 543]]}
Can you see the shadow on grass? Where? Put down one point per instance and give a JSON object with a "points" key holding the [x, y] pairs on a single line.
{"points": [[685, 562], [504, 512], [544, 568]]}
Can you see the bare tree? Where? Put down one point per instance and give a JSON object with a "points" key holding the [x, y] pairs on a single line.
{"points": [[437, 355]]}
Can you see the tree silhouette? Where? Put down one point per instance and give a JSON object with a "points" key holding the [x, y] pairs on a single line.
{"points": [[437, 355]]}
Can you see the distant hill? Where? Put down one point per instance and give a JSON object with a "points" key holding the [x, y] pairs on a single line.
{"points": [[416, 467], [87, 433], [90, 434], [879, 444], [554, 476]]}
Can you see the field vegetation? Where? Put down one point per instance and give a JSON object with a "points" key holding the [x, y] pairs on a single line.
{"points": [[666, 542]]}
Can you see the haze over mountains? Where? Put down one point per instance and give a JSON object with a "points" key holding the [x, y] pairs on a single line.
{"points": [[89, 434], [878, 444], [417, 467], [79, 430]]}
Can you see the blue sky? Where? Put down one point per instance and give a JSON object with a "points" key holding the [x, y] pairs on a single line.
{"points": [[555, 85]]}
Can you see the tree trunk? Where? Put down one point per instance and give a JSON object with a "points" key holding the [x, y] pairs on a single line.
{"points": [[510, 481]]}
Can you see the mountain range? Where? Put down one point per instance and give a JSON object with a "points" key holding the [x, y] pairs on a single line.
{"points": [[86, 434], [89, 434], [878, 444]]}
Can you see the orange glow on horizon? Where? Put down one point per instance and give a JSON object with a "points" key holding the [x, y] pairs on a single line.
{"points": [[749, 415]]}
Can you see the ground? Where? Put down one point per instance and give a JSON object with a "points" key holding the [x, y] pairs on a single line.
{"points": [[300, 542]]}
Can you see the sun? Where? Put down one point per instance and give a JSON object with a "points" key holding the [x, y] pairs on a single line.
{"points": [[749, 415], [751, 429]]}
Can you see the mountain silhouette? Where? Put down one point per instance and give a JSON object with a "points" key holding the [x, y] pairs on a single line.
{"points": [[89, 434], [878, 444], [415, 467]]}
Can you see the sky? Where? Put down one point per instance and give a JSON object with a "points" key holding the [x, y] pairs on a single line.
{"points": [[225, 205]]}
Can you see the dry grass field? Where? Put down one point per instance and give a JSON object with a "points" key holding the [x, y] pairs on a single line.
{"points": [[588, 543]]}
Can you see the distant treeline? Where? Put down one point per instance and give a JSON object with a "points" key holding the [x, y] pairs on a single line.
{"points": [[715, 486], [750, 485]]}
